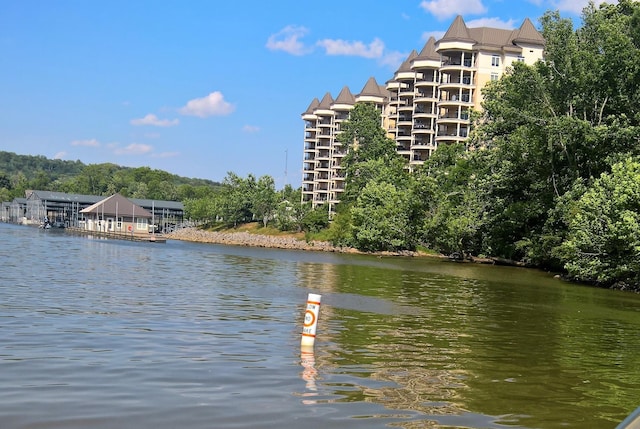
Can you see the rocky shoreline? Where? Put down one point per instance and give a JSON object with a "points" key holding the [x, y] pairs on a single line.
{"points": [[243, 238]]}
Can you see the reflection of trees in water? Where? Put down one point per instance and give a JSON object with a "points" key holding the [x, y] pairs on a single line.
{"points": [[390, 362], [513, 344]]}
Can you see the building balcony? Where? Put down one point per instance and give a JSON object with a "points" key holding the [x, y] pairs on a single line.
{"points": [[453, 119], [422, 145], [426, 97], [422, 131], [426, 83], [455, 99], [455, 63], [424, 116]]}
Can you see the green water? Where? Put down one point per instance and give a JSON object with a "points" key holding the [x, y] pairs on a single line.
{"points": [[458, 339], [104, 334]]}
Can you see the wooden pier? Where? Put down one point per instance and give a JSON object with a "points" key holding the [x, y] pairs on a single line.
{"points": [[116, 235]]}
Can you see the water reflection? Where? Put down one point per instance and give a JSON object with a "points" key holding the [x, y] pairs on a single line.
{"points": [[309, 375], [104, 334], [449, 349]]}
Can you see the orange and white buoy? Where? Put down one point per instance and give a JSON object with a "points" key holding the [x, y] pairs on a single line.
{"points": [[310, 320]]}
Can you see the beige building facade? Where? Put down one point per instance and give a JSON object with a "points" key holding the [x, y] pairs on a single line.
{"points": [[425, 104]]}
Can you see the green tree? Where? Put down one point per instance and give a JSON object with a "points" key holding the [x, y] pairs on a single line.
{"points": [[366, 142], [264, 199], [5, 181], [603, 244], [381, 218], [316, 219], [290, 211], [235, 197], [448, 209], [559, 122], [200, 209]]}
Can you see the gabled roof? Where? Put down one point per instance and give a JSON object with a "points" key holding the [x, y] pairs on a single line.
{"points": [[488, 37], [428, 52], [345, 97], [527, 33], [372, 89], [457, 32], [406, 64], [326, 102], [116, 204], [313, 106]]}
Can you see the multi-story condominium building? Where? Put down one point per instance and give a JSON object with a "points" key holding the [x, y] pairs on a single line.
{"points": [[427, 103]]}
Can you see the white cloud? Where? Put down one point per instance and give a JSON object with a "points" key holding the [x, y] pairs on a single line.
{"points": [[493, 23], [152, 119], [348, 48], [166, 155], [288, 40], [443, 9], [133, 149], [211, 105], [88, 143], [250, 129], [60, 155], [393, 59]]}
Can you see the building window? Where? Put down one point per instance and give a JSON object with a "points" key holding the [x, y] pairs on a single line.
{"points": [[495, 61], [141, 223], [494, 76], [520, 59]]}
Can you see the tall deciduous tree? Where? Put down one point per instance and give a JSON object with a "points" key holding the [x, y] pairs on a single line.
{"points": [[603, 244], [366, 142], [380, 218], [562, 121], [264, 199]]}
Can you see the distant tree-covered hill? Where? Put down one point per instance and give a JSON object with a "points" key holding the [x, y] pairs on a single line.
{"points": [[21, 172]]}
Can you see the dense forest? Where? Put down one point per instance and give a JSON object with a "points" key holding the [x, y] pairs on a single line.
{"points": [[21, 172], [549, 177]]}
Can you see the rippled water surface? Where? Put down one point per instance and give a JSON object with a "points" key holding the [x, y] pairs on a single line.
{"points": [[111, 334]]}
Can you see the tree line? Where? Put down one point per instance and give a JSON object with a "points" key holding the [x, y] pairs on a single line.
{"points": [[19, 173]]}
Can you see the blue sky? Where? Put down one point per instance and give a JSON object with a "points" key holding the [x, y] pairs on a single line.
{"points": [[200, 88]]}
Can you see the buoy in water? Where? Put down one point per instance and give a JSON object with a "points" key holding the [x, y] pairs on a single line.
{"points": [[310, 320]]}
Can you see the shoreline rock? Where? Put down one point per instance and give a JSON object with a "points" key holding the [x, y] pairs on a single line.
{"points": [[243, 238]]}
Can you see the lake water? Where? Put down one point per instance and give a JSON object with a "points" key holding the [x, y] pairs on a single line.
{"points": [[113, 334]]}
